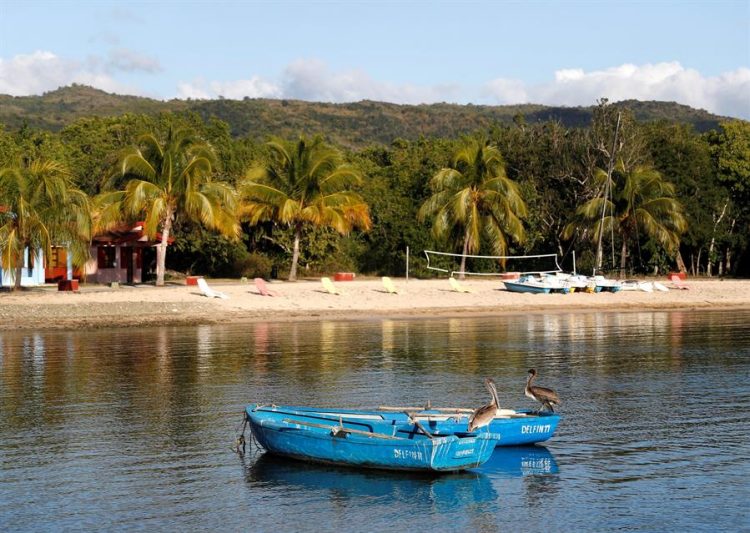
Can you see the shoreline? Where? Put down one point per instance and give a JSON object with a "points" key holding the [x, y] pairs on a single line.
{"points": [[97, 307]]}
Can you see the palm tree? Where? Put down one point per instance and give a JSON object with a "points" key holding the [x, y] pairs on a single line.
{"points": [[41, 207], [641, 202], [304, 183], [475, 197], [169, 179]]}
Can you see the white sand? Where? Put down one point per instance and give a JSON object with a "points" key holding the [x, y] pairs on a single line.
{"points": [[304, 300]]}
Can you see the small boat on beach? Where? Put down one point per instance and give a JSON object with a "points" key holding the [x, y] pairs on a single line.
{"points": [[606, 284], [290, 433], [513, 428], [529, 284], [575, 282]]}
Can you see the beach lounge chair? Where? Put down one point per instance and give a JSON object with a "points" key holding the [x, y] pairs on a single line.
{"points": [[660, 287], [263, 289], [389, 286], [330, 287], [457, 286], [677, 282], [208, 291]]}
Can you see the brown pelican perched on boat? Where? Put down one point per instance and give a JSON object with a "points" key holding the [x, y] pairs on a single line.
{"points": [[547, 397], [484, 415]]}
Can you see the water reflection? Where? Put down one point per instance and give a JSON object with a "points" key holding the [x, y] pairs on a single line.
{"points": [[520, 461], [448, 492]]}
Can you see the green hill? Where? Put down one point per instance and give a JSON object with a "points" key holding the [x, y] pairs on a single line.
{"points": [[352, 124]]}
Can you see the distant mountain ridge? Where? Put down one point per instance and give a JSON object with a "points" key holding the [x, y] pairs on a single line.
{"points": [[351, 124]]}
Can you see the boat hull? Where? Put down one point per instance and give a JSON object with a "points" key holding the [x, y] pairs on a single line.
{"points": [[512, 429], [326, 444], [513, 286]]}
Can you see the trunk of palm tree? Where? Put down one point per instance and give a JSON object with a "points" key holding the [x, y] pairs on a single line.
{"points": [[599, 257], [717, 221], [623, 257], [680, 263], [295, 253], [729, 249], [19, 273], [161, 249], [463, 256]]}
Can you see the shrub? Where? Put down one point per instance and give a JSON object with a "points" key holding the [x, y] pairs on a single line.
{"points": [[253, 266]]}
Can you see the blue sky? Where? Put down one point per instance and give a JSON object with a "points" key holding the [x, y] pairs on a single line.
{"points": [[557, 53]]}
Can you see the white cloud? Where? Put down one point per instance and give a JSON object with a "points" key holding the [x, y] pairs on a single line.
{"points": [[255, 87], [726, 94], [130, 61], [312, 80], [504, 91], [44, 71]]}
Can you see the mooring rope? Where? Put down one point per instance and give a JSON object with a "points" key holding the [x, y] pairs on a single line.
{"points": [[239, 441]]}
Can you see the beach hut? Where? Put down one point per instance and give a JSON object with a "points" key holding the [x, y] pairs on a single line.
{"points": [[32, 273], [121, 255]]}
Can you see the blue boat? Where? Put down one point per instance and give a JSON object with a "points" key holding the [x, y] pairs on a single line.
{"points": [[528, 284], [512, 428], [334, 443]]}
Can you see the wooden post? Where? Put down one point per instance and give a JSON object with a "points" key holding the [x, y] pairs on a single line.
{"points": [[407, 264]]}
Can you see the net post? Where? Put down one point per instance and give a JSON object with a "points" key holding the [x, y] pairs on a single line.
{"points": [[407, 264], [574, 263]]}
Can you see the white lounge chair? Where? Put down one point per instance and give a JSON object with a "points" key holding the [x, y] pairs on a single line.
{"points": [[208, 291], [389, 286], [660, 287], [457, 286], [330, 287]]}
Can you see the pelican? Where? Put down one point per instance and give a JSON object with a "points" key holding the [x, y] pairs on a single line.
{"points": [[547, 397], [484, 415]]}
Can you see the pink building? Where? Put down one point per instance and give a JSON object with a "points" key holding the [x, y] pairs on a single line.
{"points": [[121, 255]]}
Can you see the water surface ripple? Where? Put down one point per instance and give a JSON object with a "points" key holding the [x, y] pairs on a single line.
{"points": [[132, 429]]}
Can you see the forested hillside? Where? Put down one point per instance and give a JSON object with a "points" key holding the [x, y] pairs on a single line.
{"points": [[354, 125]]}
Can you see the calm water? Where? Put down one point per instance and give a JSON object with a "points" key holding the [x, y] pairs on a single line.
{"points": [[129, 429]]}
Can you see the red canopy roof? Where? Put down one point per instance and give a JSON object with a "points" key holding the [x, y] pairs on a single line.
{"points": [[126, 233]]}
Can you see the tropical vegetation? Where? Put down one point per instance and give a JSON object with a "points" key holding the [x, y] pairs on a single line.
{"points": [[631, 203], [166, 179], [39, 203], [355, 192], [303, 183], [473, 197]]}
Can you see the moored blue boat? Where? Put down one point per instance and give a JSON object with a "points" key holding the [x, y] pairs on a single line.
{"points": [[334, 443], [512, 428]]}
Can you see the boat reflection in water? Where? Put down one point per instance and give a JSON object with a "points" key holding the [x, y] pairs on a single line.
{"points": [[452, 491], [515, 461], [449, 491]]}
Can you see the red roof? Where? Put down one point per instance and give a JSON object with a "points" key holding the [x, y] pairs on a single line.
{"points": [[125, 233]]}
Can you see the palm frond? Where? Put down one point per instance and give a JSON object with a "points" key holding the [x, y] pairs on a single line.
{"points": [[134, 163]]}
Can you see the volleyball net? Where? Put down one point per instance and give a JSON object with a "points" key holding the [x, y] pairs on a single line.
{"points": [[491, 265]]}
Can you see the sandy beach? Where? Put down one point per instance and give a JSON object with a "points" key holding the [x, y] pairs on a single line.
{"points": [[97, 306]]}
